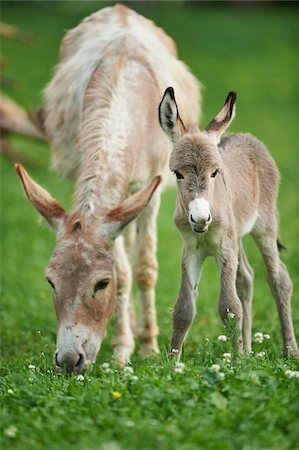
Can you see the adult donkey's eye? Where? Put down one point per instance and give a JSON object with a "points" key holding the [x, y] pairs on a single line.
{"points": [[214, 173], [178, 175], [51, 283], [101, 285]]}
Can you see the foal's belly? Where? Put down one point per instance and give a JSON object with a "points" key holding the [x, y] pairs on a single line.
{"points": [[247, 226]]}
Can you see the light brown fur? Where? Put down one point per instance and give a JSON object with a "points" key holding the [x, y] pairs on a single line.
{"points": [[101, 119], [227, 187]]}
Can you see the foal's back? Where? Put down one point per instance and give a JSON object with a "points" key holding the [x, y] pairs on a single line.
{"points": [[252, 176]]}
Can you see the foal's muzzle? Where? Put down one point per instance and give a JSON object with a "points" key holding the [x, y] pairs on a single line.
{"points": [[199, 215]]}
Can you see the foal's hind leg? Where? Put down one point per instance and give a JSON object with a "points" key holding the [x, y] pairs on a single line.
{"points": [[280, 284], [245, 290]]}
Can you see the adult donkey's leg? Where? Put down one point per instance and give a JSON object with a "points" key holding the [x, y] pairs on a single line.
{"points": [[279, 282], [245, 292], [124, 341], [146, 271], [184, 310]]}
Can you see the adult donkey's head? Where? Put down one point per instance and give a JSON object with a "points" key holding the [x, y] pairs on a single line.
{"points": [[81, 270], [195, 159]]}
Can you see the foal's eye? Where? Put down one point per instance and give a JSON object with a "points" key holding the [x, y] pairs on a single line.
{"points": [[101, 285], [51, 283], [178, 175], [214, 173]]}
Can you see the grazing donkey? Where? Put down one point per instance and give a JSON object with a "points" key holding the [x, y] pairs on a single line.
{"points": [[227, 187], [100, 118]]}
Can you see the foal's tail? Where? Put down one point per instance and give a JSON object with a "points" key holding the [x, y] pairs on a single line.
{"points": [[280, 246]]}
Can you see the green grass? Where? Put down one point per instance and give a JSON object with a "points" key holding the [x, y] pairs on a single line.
{"points": [[255, 406]]}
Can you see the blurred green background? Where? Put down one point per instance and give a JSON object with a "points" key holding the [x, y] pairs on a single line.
{"points": [[251, 48]]}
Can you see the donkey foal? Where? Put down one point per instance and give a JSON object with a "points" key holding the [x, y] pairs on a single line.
{"points": [[227, 187]]}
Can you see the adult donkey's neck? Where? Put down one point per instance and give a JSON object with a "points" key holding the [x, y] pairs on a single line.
{"points": [[108, 140]]}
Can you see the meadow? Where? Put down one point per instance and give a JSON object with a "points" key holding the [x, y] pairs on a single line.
{"points": [[209, 401]]}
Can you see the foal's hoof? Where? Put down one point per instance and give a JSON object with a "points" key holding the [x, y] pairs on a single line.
{"points": [[173, 354], [291, 351]]}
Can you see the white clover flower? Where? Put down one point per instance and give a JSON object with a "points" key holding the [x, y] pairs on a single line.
{"points": [[31, 367], [222, 338], [221, 375], [11, 431], [261, 354], [80, 377], [229, 314], [130, 423], [207, 339], [10, 391], [174, 350], [134, 378], [105, 365], [215, 367], [179, 367], [267, 336], [128, 370], [227, 357], [292, 373], [258, 338]]}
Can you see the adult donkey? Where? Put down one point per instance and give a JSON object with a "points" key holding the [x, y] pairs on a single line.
{"points": [[101, 119], [227, 187]]}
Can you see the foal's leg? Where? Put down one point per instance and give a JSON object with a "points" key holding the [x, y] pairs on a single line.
{"points": [[124, 341], [184, 310], [229, 300], [146, 271], [245, 291], [280, 284]]}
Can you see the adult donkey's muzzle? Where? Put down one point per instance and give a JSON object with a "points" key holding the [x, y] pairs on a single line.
{"points": [[71, 361]]}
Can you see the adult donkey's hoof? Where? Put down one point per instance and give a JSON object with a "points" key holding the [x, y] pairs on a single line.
{"points": [[149, 347]]}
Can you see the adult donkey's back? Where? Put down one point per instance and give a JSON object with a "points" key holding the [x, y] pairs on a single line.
{"points": [[101, 119]]}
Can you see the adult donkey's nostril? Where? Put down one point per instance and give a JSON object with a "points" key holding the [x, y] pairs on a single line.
{"points": [[80, 363], [191, 218], [70, 361], [209, 218], [56, 363]]}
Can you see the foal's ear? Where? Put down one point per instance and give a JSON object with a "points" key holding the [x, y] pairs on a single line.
{"points": [[169, 117], [220, 123], [125, 212], [46, 205]]}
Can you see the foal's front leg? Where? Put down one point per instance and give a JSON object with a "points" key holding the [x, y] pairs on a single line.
{"points": [[184, 310], [229, 302]]}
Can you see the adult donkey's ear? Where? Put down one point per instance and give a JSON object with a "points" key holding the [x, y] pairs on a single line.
{"points": [[46, 205], [220, 123], [169, 116], [117, 218]]}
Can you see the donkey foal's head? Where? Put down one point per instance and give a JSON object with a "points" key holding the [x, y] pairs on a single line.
{"points": [[195, 159], [81, 271]]}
